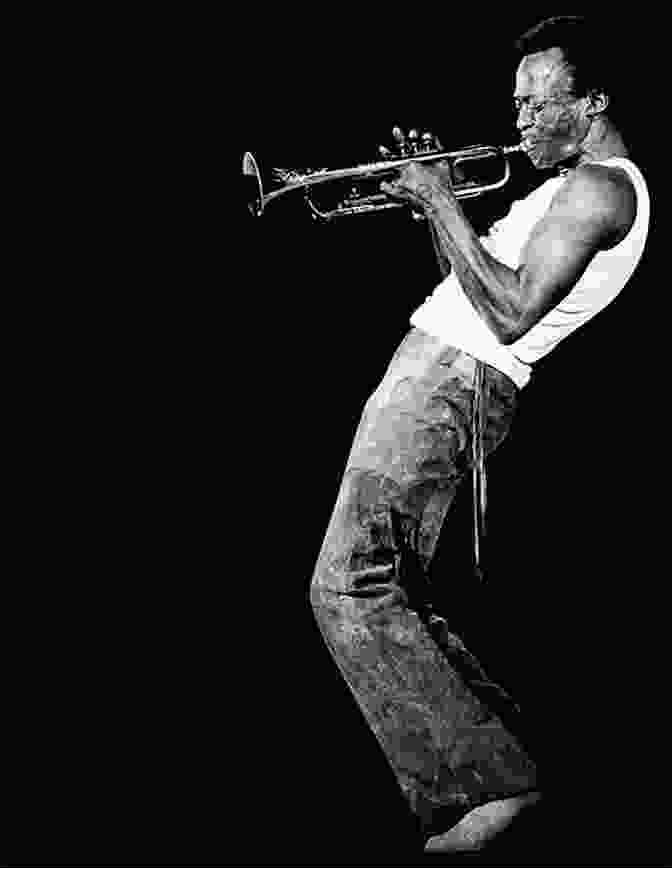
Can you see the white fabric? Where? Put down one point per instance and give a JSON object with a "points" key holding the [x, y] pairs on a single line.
{"points": [[449, 315]]}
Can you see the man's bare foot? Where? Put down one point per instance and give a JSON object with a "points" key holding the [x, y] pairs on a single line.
{"points": [[476, 829]]}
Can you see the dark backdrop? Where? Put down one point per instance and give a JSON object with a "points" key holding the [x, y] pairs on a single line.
{"points": [[188, 712], [569, 621]]}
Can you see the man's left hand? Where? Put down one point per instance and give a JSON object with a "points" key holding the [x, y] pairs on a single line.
{"points": [[417, 184]]}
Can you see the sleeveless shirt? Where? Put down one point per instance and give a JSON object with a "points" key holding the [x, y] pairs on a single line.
{"points": [[449, 315]]}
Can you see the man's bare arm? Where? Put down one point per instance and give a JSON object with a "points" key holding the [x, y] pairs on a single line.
{"points": [[592, 211]]}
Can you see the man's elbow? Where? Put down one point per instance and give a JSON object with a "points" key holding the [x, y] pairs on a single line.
{"points": [[508, 316], [508, 328], [520, 316], [507, 338]]}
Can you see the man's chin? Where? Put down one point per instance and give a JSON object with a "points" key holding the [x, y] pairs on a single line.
{"points": [[544, 158], [542, 161]]}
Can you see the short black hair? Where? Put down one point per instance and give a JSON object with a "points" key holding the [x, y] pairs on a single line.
{"points": [[587, 49]]}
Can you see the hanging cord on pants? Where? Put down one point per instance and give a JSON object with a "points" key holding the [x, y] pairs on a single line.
{"points": [[479, 472], [478, 425]]}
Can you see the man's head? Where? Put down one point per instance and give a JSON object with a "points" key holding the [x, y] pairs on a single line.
{"points": [[561, 89]]}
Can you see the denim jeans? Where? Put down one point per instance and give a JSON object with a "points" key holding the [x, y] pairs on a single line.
{"points": [[435, 713]]}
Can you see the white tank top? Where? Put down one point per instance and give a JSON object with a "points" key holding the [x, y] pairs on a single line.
{"points": [[449, 315]]}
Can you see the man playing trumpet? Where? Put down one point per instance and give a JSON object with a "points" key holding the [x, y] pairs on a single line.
{"points": [[448, 397]]}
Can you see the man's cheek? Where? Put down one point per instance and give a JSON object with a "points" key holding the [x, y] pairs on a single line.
{"points": [[563, 125]]}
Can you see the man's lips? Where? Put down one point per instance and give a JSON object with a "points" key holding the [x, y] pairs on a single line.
{"points": [[529, 144]]}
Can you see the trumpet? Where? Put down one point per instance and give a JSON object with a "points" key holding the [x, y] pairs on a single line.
{"points": [[354, 200]]}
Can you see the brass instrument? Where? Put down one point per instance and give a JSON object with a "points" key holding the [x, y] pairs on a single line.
{"points": [[353, 200]]}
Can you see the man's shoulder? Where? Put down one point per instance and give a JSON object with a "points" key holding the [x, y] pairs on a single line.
{"points": [[597, 190], [600, 184], [607, 179]]}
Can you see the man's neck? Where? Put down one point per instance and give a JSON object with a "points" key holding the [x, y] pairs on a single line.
{"points": [[603, 141]]}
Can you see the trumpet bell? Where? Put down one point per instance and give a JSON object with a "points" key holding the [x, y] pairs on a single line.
{"points": [[255, 190]]}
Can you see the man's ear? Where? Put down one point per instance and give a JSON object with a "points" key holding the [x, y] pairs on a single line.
{"points": [[597, 102]]}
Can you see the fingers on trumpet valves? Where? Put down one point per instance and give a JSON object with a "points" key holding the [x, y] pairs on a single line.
{"points": [[420, 144], [409, 145], [413, 141], [404, 145], [431, 142], [400, 139]]}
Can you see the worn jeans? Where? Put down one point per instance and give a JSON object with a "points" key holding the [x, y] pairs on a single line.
{"points": [[437, 716]]}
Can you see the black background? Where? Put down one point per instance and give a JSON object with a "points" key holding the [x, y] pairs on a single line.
{"points": [[189, 713], [571, 617]]}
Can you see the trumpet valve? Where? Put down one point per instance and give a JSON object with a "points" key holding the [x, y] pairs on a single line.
{"points": [[427, 141]]}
